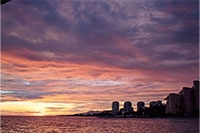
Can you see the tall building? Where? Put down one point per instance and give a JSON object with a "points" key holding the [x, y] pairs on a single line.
{"points": [[188, 100], [115, 107], [159, 103], [196, 95], [155, 103], [128, 107], [140, 106], [152, 104], [174, 104]]}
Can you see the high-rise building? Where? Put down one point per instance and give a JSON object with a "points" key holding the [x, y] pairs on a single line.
{"points": [[188, 100], [155, 103], [152, 104], [128, 107], [159, 103], [115, 108], [140, 106], [174, 104], [196, 95]]}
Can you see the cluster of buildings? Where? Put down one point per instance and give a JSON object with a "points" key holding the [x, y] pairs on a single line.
{"points": [[185, 103], [128, 111]]}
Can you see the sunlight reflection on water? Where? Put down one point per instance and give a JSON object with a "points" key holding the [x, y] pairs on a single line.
{"points": [[97, 125]]}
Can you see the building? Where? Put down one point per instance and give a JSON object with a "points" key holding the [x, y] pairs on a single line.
{"points": [[152, 104], [156, 109], [188, 100], [159, 103], [155, 103], [174, 104], [140, 106], [196, 95], [128, 107], [115, 107]]}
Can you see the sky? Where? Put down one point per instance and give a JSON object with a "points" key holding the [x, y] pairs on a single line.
{"points": [[71, 56]]}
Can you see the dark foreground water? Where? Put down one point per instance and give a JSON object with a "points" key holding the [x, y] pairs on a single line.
{"points": [[97, 125]]}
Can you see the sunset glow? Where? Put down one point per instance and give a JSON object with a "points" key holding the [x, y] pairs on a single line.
{"points": [[66, 57]]}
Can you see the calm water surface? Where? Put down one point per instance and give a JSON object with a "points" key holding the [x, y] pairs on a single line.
{"points": [[97, 125]]}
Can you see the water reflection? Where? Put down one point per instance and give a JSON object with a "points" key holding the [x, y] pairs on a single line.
{"points": [[97, 125]]}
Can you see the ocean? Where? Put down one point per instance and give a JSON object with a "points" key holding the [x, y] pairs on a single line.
{"points": [[56, 124]]}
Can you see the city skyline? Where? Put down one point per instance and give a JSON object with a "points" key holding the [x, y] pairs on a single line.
{"points": [[67, 57], [184, 103]]}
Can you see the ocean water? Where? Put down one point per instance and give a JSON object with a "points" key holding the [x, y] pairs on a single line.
{"points": [[52, 124]]}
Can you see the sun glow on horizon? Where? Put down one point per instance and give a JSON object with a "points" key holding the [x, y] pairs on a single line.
{"points": [[34, 108], [60, 58]]}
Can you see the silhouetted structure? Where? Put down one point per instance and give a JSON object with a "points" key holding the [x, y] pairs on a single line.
{"points": [[128, 107], [115, 108], [188, 100], [174, 104], [156, 109], [159, 103], [151, 104], [127, 111], [196, 96], [140, 108], [185, 103]]}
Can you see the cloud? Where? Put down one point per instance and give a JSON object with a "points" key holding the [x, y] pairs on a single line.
{"points": [[21, 112], [55, 108], [59, 51]]}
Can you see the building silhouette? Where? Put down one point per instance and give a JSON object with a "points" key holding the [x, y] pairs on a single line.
{"points": [[186, 102], [196, 95], [115, 108], [128, 107], [152, 104], [140, 106], [174, 104], [159, 103]]}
